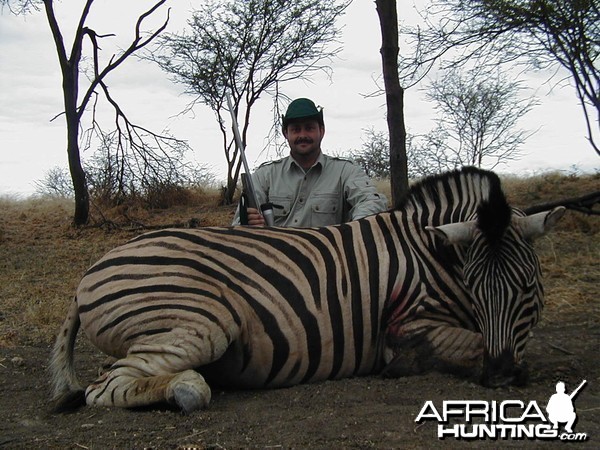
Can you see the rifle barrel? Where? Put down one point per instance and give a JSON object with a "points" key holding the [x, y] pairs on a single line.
{"points": [[240, 146], [574, 393]]}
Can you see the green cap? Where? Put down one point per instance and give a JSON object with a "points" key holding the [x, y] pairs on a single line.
{"points": [[302, 108]]}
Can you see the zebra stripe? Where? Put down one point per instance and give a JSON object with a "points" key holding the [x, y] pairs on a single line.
{"points": [[284, 283], [447, 281]]}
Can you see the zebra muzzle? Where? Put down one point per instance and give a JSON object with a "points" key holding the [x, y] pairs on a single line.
{"points": [[503, 371]]}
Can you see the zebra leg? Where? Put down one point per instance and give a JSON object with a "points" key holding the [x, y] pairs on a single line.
{"points": [[106, 365], [155, 373], [128, 387], [442, 347]]}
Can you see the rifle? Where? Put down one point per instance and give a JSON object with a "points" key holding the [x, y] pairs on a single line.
{"points": [[249, 198], [576, 391]]}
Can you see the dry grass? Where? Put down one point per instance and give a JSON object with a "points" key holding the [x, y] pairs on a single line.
{"points": [[42, 257], [570, 255]]}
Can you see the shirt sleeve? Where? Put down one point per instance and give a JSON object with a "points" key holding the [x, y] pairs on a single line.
{"points": [[361, 194]]}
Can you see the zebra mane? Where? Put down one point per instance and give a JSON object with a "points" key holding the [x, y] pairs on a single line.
{"points": [[493, 215], [479, 195]]}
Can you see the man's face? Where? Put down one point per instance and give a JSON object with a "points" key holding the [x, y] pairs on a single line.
{"points": [[304, 137]]}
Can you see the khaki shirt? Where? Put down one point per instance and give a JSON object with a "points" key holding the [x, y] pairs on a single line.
{"points": [[332, 191]]}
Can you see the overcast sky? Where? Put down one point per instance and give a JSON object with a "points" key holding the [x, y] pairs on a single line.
{"points": [[30, 96]]}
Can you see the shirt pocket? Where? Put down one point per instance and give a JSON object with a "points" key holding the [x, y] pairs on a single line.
{"points": [[281, 209], [325, 210]]}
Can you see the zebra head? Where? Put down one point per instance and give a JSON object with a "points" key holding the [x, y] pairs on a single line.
{"points": [[502, 275]]}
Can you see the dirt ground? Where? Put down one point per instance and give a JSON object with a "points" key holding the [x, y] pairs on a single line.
{"points": [[368, 412]]}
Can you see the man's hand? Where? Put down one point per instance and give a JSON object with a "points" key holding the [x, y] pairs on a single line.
{"points": [[255, 218]]}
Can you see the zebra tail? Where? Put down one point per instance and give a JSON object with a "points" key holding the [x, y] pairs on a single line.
{"points": [[67, 393]]}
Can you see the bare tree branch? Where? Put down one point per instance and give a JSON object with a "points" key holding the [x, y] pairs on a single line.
{"points": [[584, 204], [476, 123], [127, 133], [540, 34], [137, 44]]}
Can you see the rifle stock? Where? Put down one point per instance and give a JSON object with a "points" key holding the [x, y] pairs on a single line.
{"points": [[251, 201]]}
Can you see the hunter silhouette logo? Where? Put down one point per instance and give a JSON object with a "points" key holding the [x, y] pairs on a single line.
{"points": [[507, 419], [560, 407]]}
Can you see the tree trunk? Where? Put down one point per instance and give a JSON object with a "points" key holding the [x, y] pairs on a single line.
{"points": [[229, 191], [394, 94], [70, 82], [70, 92], [82, 200]]}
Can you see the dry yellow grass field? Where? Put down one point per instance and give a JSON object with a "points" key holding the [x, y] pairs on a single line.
{"points": [[42, 257]]}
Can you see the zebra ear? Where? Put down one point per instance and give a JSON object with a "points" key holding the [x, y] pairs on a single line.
{"points": [[539, 224], [460, 233]]}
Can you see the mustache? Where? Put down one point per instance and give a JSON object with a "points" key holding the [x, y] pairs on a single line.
{"points": [[303, 140]]}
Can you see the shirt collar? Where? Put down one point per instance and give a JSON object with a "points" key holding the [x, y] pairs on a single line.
{"points": [[321, 162]]}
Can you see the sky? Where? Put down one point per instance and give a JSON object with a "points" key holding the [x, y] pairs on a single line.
{"points": [[31, 143]]}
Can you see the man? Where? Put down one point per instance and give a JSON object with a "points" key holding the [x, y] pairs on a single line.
{"points": [[560, 407], [309, 188]]}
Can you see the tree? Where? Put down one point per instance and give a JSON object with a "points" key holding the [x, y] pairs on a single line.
{"points": [[427, 154], [56, 183], [248, 48], [115, 177], [538, 34], [374, 157], [129, 137], [394, 98], [476, 123]]}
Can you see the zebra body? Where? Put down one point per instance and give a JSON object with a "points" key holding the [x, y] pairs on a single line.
{"points": [[262, 290], [270, 307]]}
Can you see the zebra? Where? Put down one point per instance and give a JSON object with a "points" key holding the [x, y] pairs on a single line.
{"points": [[448, 281]]}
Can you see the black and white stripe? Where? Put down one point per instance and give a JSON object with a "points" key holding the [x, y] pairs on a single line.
{"points": [[448, 280]]}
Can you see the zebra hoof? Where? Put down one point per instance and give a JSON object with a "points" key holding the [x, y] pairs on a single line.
{"points": [[188, 391]]}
